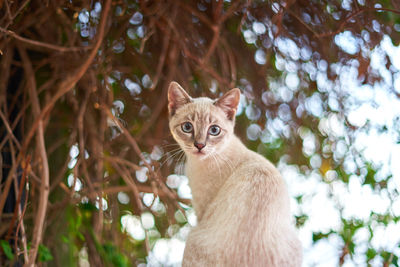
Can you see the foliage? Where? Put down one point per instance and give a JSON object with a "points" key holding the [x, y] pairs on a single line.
{"points": [[90, 172], [7, 249]]}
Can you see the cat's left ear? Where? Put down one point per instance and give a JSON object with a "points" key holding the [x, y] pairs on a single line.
{"points": [[177, 97], [229, 102]]}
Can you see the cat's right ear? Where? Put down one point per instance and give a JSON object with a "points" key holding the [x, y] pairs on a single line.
{"points": [[177, 97], [229, 102]]}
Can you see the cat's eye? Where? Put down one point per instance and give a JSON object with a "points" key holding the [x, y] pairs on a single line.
{"points": [[187, 127], [214, 130]]}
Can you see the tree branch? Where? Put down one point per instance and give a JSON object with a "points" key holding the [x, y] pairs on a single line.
{"points": [[68, 83], [44, 186], [57, 48]]}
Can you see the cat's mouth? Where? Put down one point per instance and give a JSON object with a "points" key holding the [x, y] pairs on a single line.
{"points": [[200, 153]]}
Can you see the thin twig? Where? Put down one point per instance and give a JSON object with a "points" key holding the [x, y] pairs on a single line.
{"points": [[5, 67], [300, 20], [122, 161], [161, 62], [7, 184], [9, 130], [20, 9], [162, 103], [127, 135], [132, 141], [231, 60], [129, 181], [57, 48], [344, 22], [127, 188], [81, 139], [20, 192], [216, 31], [196, 13], [244, 17], [234, 7], [221, 80]]}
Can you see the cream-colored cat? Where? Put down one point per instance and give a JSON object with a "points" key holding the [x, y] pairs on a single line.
{"points": [[239, 197]]}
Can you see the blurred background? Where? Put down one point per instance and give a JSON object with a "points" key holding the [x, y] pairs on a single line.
{"points": [[91, 175]]}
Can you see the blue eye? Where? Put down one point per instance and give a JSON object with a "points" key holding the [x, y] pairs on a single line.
{"points": [[214, 130], [187, 127]]}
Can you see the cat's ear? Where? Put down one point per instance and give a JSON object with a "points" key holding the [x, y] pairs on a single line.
{"points": [[177, 97], [229, 102]]}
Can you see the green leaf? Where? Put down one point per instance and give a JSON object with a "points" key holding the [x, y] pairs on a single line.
{"points": [[301, 220], [44, 253], [371, 253], [318, 235], [370, 177], [113, 256], [7, 249]]}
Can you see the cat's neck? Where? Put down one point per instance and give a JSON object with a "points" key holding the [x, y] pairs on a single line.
{"points": [[206, 176]]}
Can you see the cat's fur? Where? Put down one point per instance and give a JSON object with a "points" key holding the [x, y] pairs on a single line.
{"points": [[239, 197]]}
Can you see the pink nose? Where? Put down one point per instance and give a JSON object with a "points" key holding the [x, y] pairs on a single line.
{"points": [[199, 145]]}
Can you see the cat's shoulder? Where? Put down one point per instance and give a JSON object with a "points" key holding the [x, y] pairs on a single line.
{"points": [[254, 168]]}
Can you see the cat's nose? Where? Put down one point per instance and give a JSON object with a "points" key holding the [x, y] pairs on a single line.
{"points": [[199, 146]]}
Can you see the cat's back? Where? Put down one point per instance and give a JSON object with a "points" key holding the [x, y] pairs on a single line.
{"points": [[257, 182], [255, 170], [249, 218]]}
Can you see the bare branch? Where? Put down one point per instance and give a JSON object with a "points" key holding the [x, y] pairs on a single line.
{"points": [[57, 48], [69, 82], [45, 179]]}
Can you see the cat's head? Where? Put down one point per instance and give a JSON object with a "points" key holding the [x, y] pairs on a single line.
{"points": [[201, 126]]}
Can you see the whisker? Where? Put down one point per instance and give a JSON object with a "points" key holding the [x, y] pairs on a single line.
{"points": [[227, 161], [217, 163], [174, 153], [173, 150], [181, 162], [169, 145]]}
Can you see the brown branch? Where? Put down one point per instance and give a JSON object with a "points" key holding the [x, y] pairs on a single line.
{"points": [[127, 188], [5, 74], [7, 184], [57, 48], [21, 215], [161, 61], [9, 130], [45, 179], [221, 80], [81, 140], [17, 204], [133, 143], [244, 17], [144, 40], [69, 82], [234, 7], [127, 135], [231, 60], [131, 184], [346, 20], [217, 7], [196, 13], [8, 13], [299, 19], [162, 103], [122, 161], [44, 186], [216, 28], [20, 9]]}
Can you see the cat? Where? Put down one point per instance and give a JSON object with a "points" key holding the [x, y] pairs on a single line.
{"points": [[239, 197]]}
